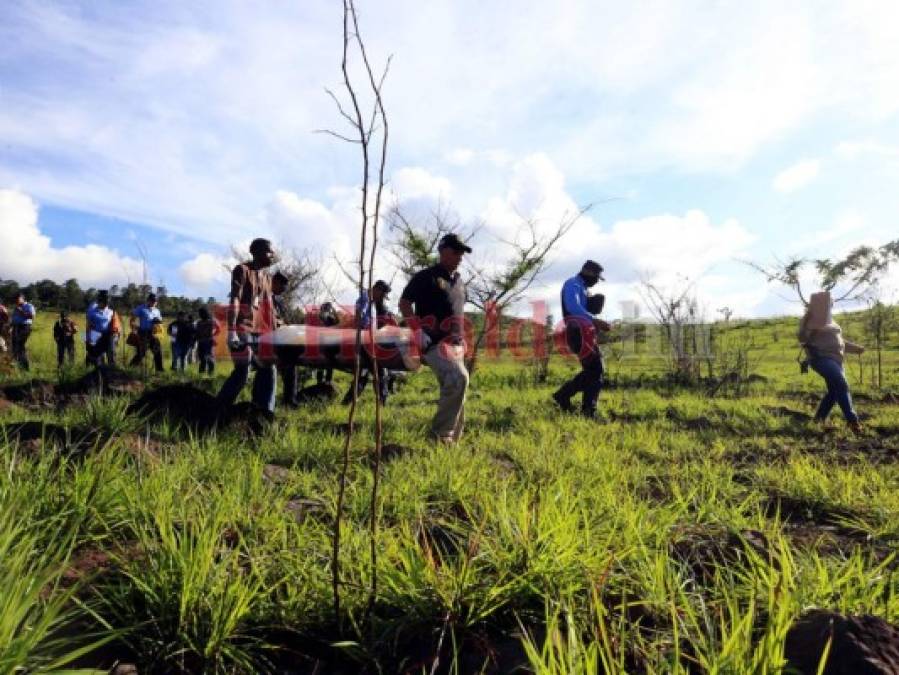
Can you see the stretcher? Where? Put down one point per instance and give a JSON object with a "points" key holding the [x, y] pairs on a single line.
{"points": [[321, 347]]}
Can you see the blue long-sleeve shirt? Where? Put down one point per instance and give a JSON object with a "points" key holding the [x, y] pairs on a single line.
{"points": [[23, 315], [574, 298]]}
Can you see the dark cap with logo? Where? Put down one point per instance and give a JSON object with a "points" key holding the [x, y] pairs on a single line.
{"points": [[452, 241], [593, 269]]}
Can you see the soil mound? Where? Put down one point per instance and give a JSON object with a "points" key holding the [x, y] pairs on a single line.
{"points": [[104, 380], [860, 645], [189, 408], [36, 393], [34, 436], [704, 551], [324, 392]]}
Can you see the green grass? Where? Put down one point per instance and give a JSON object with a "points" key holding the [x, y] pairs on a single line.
{"points": [[571, 546]]}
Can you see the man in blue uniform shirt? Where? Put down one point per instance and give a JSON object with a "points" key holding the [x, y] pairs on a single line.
{"points": [[580, 334], [22, 320], [147, 316]]}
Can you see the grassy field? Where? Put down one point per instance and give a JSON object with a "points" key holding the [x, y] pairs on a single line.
{"points": [[683, 533]]}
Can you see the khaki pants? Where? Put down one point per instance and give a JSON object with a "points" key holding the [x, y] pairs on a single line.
{"points": [[448, 365]]}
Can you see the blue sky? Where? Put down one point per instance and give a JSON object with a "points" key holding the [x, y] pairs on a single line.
{"points": [[703, 132]]}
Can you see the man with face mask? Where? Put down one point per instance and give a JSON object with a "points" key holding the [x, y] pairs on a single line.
{"points": [[580, 335]]}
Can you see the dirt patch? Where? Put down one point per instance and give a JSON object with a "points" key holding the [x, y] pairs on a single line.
{"points": [[701, 423], [507, 464], [36, 393], [107, 380], [703, 551], [794, 416], [303, 508], [275, 475], [189, 408], [35, 436], [389, 453], [817, 525], [317, 393], [859, 645], [654, 488]]}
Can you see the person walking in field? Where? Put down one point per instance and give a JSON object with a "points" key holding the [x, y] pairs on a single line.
{"points": [[207, 330], [146, 318], [64, 331], [250, 314], [825, 347], [99, 331], [172, 331], [184, 339], [365, 308], [581, 329], [434, 302], [22, 320]]}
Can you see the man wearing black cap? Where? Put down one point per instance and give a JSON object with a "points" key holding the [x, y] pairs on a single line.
{"points": [[364, 308], [438, 296], [146, 317], [580, 334]]}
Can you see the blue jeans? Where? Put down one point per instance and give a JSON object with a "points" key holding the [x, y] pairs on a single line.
{"points": [[205, 357], [263, 383], [837, 388]]}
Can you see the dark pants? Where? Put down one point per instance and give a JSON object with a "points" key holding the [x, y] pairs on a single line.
{"points": [[100, 349], [65, 349], [263, 382], [111, 344], [148, 342], [589, 381], [365, 371], [288, 383], [179, 355], [837, 389], [205, 357], [324, 375], [20, 335]]}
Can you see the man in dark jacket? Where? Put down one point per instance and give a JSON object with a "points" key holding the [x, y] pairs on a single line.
{"points": [[581, 328], [64, 331]]}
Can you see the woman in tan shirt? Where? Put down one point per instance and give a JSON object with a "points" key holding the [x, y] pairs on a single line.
{"points": [[823, 341]]}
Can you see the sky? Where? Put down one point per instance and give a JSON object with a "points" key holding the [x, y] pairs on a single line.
{"points": [[152, 137]]}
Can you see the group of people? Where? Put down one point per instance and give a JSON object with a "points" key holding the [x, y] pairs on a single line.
{"points": [[432, 303]]}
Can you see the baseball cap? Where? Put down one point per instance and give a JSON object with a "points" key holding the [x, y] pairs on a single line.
{"points": [[452, 241], [593, 268], [382, 285]]}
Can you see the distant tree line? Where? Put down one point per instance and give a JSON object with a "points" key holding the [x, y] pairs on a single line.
{"points": [[47, 294]]}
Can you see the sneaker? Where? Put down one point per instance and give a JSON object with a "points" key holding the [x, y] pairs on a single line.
{"points": [[856, 427], [563, 403]]}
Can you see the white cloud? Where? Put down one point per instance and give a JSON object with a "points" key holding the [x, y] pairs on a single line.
{"points": [[661, 247], [27, 255], [460, 156], [415, 182], [190, 121], [206, 273], [797, 176]]}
